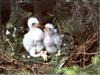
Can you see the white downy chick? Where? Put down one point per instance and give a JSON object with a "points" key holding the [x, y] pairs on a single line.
{"points": [[33, 40], [48, 40]]}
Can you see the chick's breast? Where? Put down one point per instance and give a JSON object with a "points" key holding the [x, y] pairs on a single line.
{"points": [[27, 42], [36, 34], [49, 44], [33, 38]]}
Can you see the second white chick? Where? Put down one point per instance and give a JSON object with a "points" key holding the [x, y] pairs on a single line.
{"points": [[48, 40], [54, 38]]}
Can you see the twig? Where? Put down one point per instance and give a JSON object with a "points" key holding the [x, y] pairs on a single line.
{"points": [[10, 44], [59, 28]]}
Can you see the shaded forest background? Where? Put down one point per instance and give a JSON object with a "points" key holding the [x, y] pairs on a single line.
{"points": [[79, 20]]}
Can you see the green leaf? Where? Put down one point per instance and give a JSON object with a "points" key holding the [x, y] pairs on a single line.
{"points": [[70, 72]]}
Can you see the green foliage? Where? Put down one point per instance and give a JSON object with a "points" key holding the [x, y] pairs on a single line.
{"points": [[70, 70], [54, 60], [67, 70], [83, 73], [96, 60], [93, 68], [58, 71], [69, 27]]}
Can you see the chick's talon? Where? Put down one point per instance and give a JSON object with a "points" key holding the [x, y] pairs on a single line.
{"points": [[58, 54], [44, 56], [45, 59]]}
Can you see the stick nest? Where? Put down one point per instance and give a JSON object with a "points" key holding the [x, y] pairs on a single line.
{"points": [[84, 49], [10, 64]]}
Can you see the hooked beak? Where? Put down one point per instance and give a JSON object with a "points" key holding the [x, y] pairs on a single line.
{"points": [[45, 29]]}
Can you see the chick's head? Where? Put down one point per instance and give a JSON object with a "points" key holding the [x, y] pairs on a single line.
{"points": [[32, 21]]}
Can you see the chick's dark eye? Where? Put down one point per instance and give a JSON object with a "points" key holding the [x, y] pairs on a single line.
{"points": [[33, 23], [49, 28]]}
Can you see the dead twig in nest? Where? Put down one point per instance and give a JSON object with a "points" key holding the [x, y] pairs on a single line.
{"points": [[59, 27]]}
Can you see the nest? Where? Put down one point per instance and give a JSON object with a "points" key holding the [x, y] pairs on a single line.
{"points": [[84, 49], [9, 64]]}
